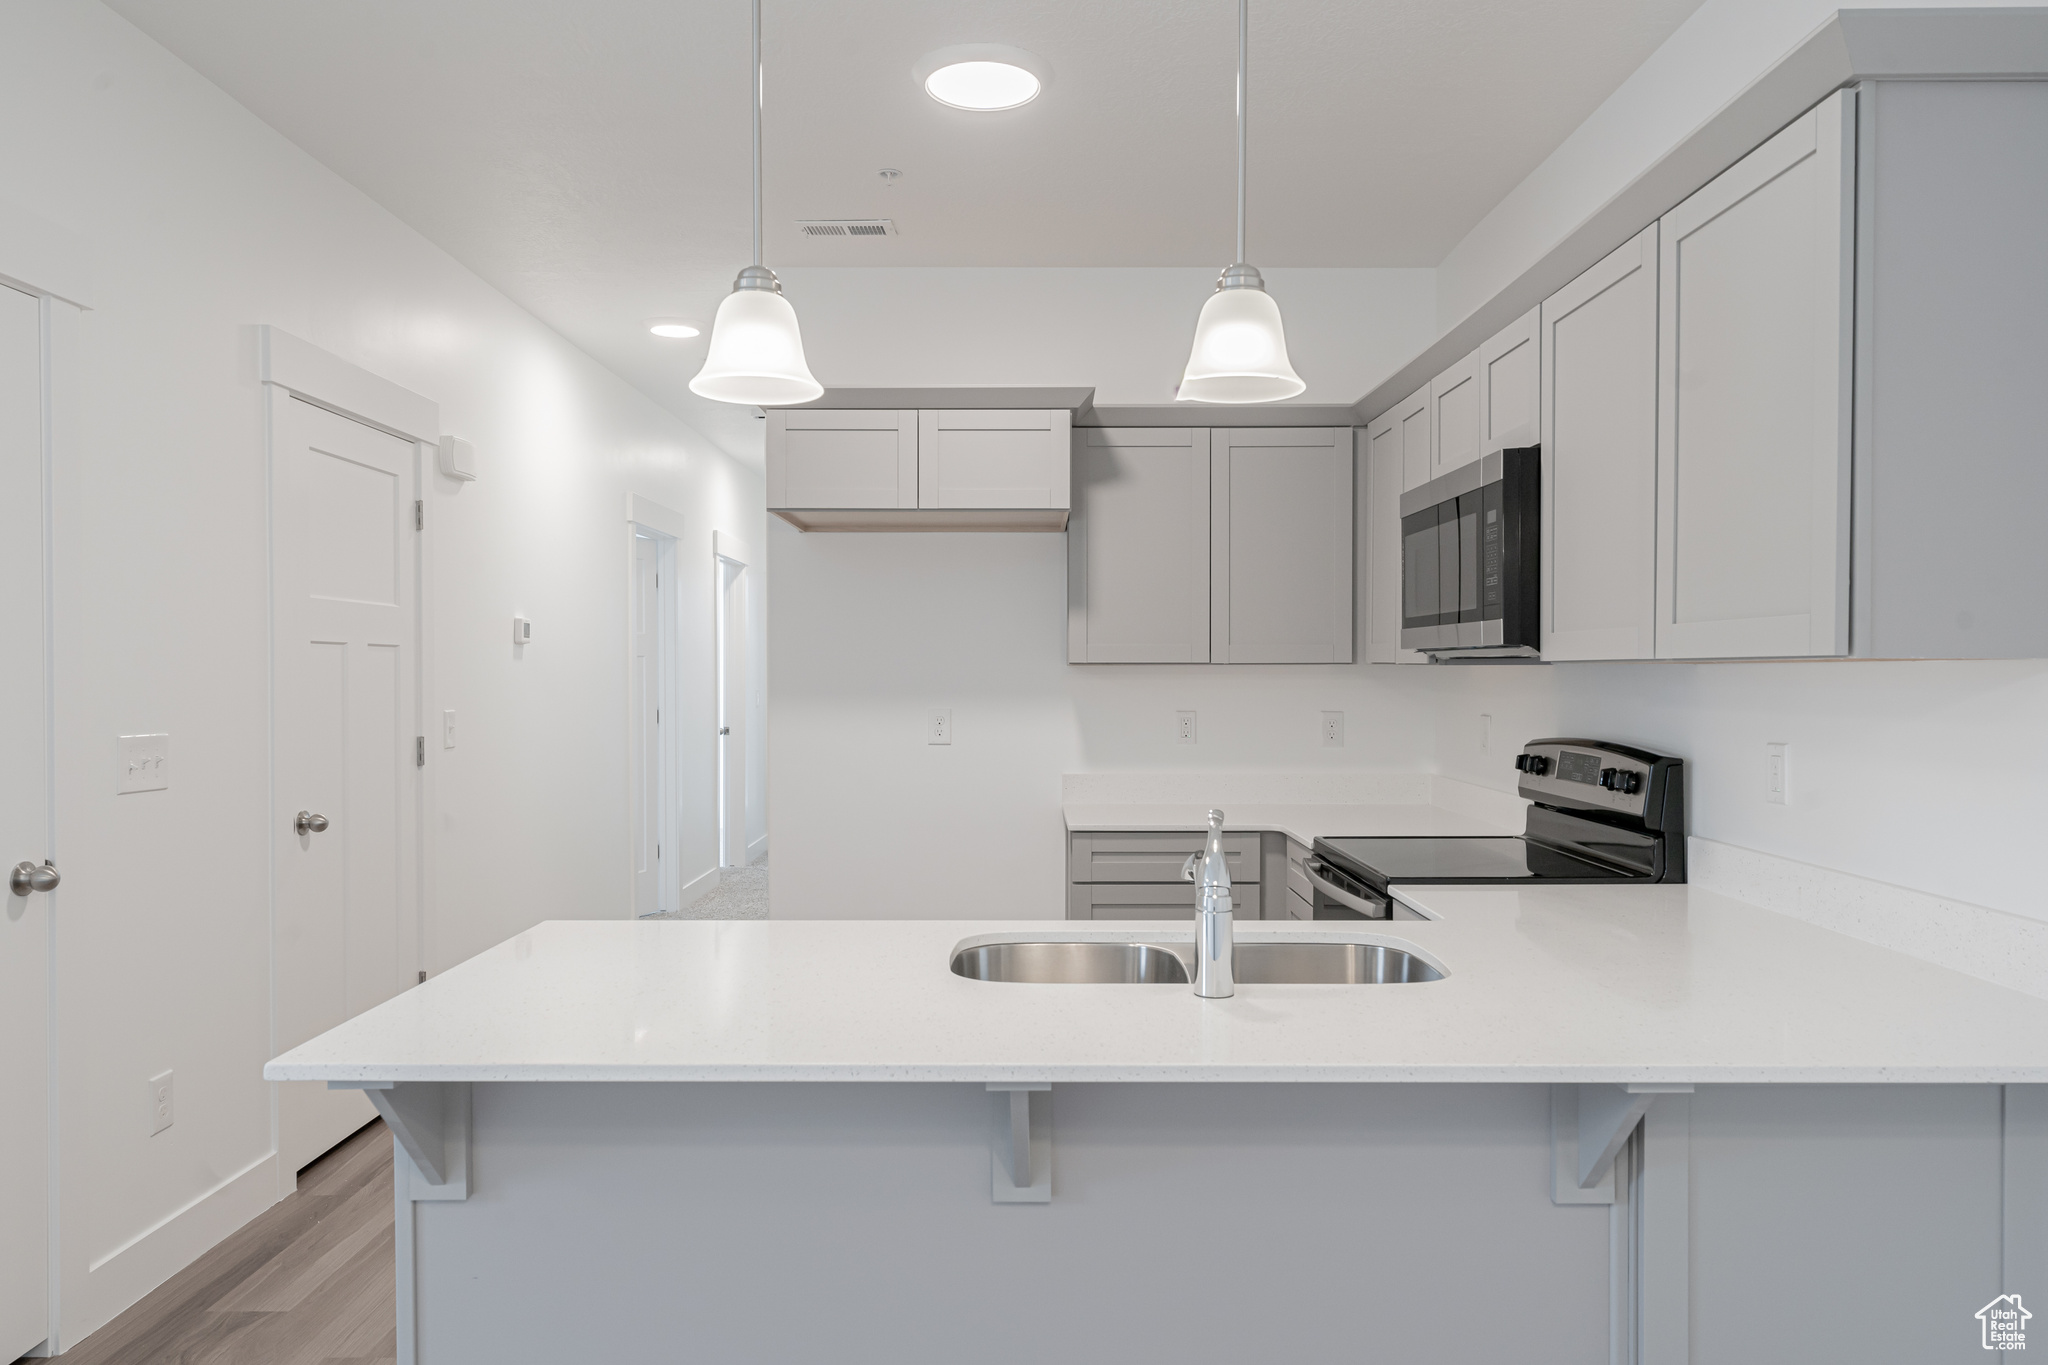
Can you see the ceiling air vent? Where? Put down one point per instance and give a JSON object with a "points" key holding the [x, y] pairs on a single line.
{"points": [[847, 227]]}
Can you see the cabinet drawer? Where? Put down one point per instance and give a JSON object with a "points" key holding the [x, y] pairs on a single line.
{"points": [[1163, 900], [1156, 857]]}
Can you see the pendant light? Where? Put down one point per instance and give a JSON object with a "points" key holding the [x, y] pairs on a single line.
{"points": [[1240, 350], [757, 352]]}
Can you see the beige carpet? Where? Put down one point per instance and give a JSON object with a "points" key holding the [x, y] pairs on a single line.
{"points": [[742, 893]]}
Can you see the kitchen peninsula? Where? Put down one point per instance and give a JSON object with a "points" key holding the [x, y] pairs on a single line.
{"points": [[1510, 1157]]}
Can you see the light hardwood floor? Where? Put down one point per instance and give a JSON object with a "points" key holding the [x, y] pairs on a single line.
{"points": [[310, 1282]]}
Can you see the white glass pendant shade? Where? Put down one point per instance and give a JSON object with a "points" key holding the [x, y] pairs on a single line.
{"points": [[1240, 351], [756, 354]]}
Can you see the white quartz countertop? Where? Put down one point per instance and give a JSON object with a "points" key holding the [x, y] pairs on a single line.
{"points": [[1615, 984], [1302, 823]]}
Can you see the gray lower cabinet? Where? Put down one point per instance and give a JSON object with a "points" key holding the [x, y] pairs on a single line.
{"points": [[1136, 875]]}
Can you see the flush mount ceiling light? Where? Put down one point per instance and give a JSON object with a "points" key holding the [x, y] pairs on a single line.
{"points": [[668, 327], [1240, 350], [756, 354], [982, 77]]}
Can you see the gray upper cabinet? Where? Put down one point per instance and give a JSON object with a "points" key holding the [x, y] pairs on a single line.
{"points": [[1383, 489], [1754, 390], [998, 459], [1509, 385], [842, 460], [1138, 547], [1418, 453], [1454, 416], [1599, 403], [905, 470], [1281, 566]]}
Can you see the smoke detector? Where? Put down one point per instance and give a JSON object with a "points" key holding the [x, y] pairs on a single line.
{"points": [[847, 227]]}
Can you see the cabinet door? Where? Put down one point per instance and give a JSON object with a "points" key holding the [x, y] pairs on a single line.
{"points": [[1383, 478], [819, 458], [1417, 450], [1454, 410], [1280, 545], [1754, 355], [993, 459], [1599, 584], [1138, 547], [1510, 386]]}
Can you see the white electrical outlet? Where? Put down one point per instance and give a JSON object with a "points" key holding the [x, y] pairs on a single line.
{"points": [[145, 764], [447, 729], [1184, 726], [1333, 729], [1485, 733], [161, 1112], [1778, 774], [940, 731]]}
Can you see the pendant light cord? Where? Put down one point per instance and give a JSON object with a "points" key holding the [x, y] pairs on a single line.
{"points": [[757, 144], [1241, 27]]}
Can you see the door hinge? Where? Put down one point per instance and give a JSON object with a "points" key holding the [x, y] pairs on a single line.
{"points": [[419, 514], [423, 976], [419, 751]]}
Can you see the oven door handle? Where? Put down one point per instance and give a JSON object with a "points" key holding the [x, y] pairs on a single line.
{"points": [[1370, 908]]}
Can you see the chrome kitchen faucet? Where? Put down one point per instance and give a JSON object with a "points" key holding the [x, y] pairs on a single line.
{"points": [[1215, 944]]}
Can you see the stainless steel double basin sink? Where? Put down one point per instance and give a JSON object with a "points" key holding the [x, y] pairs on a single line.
{"points": [[1259, 963]]}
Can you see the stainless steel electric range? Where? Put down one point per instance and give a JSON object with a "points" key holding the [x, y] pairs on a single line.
{"points": [[1600, 813]]}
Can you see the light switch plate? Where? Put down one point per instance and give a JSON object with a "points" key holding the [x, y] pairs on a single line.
{"points": [[1778, 774], [145, 764], [447, 729]]}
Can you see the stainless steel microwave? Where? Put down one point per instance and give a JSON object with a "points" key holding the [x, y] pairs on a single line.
{"points": [[1470, 556]]}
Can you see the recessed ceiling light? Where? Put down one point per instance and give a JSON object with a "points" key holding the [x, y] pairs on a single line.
{"points": [[982, 85], [982, 77], [666, 328]]}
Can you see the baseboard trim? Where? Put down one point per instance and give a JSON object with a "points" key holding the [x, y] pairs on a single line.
{"points": [[120, 1279], [756, 849], [1991, 945]]}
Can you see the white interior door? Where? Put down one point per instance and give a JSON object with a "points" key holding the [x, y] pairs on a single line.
{"points": [[345, 550], [732, 712], [24, 837], [653, 703]]}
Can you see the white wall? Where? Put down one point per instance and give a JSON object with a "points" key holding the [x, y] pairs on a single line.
{"points": [[201, 222], [1928, 775], [870, 631], [1724, 46]]}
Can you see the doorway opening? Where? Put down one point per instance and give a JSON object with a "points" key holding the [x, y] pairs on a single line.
{"points": [[732, 648], [655, 851]]}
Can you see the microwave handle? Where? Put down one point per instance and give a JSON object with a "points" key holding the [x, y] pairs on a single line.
{"points": [[1364, 905]]}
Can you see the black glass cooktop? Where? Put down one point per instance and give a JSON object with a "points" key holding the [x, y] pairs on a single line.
{"points": [[1462, 860]]}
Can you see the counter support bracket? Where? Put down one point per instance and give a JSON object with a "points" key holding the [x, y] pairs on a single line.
{"points": [[430, 1119], [1588, 1125], [1020, 1143]]}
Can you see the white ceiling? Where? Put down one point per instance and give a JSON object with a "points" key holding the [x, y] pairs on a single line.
{"points": [[590, 159]]}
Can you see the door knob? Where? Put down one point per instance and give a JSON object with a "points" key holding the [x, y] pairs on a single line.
{"points": [[28, 877], [309, 823]]}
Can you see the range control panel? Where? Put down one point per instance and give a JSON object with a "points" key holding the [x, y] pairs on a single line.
{"points": [[1579, 774]]}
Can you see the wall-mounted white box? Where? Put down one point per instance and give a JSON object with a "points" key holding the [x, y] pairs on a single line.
{"points": [[456, 458], [144, 764]]}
